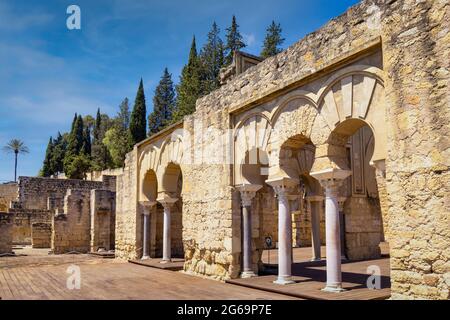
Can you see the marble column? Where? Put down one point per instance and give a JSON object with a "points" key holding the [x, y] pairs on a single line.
{"points": [[341, 202], [168, 203], [283, 188], [248, 192], [331, 179], [147, 207], [315, 204]]}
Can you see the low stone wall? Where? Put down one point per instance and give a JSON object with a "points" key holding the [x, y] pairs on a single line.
{"points": [[71, 229], [8, 193], [102, 219], [22, 221], [35, 192], [41, 234], [6, 228]]}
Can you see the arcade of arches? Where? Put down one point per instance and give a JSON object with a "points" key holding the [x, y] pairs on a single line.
{"points": [[313, 159]]}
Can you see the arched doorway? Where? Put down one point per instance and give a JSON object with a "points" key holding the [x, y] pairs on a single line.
{"points": [[169, 234]]}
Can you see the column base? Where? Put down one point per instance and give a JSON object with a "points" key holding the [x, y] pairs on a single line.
{"points": [[248, 274], [145, 257], [165, 261], [284, 281], [334, 289]]}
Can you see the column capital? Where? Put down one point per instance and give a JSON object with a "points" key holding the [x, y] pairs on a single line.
{"points": [[248, 192], [166, 200], [331, 179], [147, 206], [341, 202], [283, 186]]}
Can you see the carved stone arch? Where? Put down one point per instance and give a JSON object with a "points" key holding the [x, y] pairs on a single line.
{"points": [[251, 140], [293, 122], [355, 93], [148, 166], [171, 150], [170, 163]]}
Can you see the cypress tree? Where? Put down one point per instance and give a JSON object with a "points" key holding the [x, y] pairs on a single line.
{"points": [[101, 159], [47, 168], [59, 151], [123, 117], [212, 59], [74, 148], [138, 121], [235, 41], [86, 149], [163, 104], [272, 41], [190, 87]]}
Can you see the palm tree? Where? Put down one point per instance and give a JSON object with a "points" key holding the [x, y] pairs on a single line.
{"points": [[15, 146]]}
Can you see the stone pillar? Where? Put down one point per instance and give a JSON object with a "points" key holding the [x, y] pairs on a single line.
{"points": [[167, 202], [248, 192], [331, 179], [341, 202], [147, 207], [283, 188], [315, 203]]}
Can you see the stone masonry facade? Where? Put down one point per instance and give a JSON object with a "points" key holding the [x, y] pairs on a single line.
{"points": [[382, 67]]}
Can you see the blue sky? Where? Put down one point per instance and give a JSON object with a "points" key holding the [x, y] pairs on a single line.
{"points": [[47, 73]]}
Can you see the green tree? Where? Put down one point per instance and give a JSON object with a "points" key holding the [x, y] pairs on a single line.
{"points": [[101, 158], [272, 41], [86, 149], [59, 151], [212, 59], [16, 146], [163, 104], [75, 148], [47, 168], [123, 117], [235, 41], [77, 167], [118, 144], [190, 87], [138, 119]]}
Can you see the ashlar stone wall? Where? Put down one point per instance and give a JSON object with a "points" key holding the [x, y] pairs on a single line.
{"points": [[5, 233], [102, 217], [8, 193], [71, 230]]}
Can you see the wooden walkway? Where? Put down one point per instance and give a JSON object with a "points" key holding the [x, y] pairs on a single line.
{"points": [[106, 279]]}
